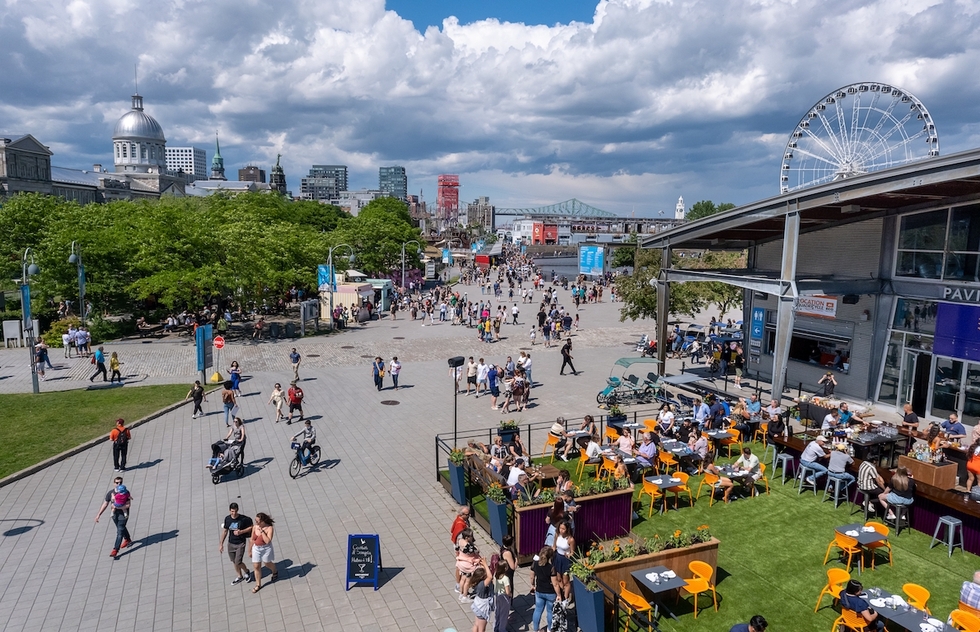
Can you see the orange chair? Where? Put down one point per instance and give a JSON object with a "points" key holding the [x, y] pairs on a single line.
{"points": [[583, 462], [608, 467], [654, 493], [709, 480], [918, 596], [667, 460], [836, 580], [760, 433], [649, 425], [634, 603], [848, 545], [733, 441], [612, 434], [969, 609], [551, 440], [701, 582], [762, 478], [963, 620], [850, 620], [682, 488], [883, 544]]}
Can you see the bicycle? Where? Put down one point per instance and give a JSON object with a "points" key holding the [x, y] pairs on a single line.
{"points": [[296, 466]]}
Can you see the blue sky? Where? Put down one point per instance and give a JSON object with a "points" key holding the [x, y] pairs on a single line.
{"points": [[624, 104]]}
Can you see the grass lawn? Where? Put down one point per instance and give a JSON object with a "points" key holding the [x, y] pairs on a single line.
{"points": [[36, 427], [770, 556]]}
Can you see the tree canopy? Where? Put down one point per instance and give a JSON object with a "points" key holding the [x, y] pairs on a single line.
{"points": [[704, 208]]}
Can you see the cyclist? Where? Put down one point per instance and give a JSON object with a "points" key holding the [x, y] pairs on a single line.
{"points": [[308, 433]]}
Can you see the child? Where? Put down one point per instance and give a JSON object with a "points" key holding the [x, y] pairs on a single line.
{"points": [[533, 334], [121, 499]]}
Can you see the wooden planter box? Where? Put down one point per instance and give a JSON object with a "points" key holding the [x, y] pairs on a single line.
{"points": [[599, 517], [675, 559], [941, 476]]}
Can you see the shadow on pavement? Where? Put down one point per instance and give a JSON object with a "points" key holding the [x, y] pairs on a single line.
{"points": [[145, 465], [149, 540], [288, 570], [388, 573], [23, 528], [257, 465]]}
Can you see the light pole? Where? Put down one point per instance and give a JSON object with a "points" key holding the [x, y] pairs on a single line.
{"points": [[454, 364], [25, 305], [418, 252], [333, 274], [76, 258]]}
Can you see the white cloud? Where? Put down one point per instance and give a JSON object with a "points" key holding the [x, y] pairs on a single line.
{"points": [[650, 100]]}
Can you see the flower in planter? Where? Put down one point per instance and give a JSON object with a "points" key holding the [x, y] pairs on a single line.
{"points": [[508, 424], [457, 456], [615, 411], [496, 493]]}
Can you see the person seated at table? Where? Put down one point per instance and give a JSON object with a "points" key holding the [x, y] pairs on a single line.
{"points": [[953, 428], [685, 431], [754, 406], [700, 410], [831, 420], [593, 450], [748, 462], [517, 449], [520, 490], [699, 448], [970, 592], [839, 460], [621, 470], [739, 418], [625, 441], [724, 482], [776, 428], [757, 623], [646, 455], [589, 425], [476, 447], [563, 482], [845, 416], [900, 491], [869, 480], [851, 599], [516, 469], [665, 419], [559, 432], [772, 409], [814, 452], [498, 450]]}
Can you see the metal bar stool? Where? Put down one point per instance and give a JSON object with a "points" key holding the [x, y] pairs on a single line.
{"points": [[866, 503], [840, 489], [901, 515], [784, 461], [952, 524], [802, 475]]}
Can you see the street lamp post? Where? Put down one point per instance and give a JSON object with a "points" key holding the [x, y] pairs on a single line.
{"points": [[76, 258], [418, 251], [454, 364], [333, 274], [27, 270]]}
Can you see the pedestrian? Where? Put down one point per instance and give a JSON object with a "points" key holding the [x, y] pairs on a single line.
{"points": [[295, 395], [119, 436], [566, 358], [277, 398], [395, 367], [482, 581], [295, 358], [228, 399], [120, 514], [238, 529], [114, 364], [378, 371], [515, 311], [504, 583], [43, 347], [235, 373], [99, 361], [67, 341], [197, 394], [533, 334], [39, 361], [262, 551]]}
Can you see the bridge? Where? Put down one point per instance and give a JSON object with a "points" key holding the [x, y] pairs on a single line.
{"points": [[569, 208]]}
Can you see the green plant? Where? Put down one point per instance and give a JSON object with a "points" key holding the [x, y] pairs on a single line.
{"points": [[457, 456], [52, 337], [546, 496], [622, 483], [615, 411], [508, 424], [496, 493]]}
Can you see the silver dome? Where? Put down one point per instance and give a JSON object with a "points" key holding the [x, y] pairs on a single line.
{"points": [[138, 124]]}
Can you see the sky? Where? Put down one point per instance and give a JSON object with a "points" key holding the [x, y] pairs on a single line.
{"points": [[623, 104]]}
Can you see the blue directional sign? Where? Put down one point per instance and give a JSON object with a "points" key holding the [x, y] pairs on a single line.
{"points": [[758, 323]]}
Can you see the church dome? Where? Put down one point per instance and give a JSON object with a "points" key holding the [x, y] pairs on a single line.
{"points": [[138, 124]]}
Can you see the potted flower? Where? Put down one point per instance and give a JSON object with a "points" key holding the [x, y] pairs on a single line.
{"points": [[507, 430], [616, 416], [497, 509], [589, 597], [457, 475]]}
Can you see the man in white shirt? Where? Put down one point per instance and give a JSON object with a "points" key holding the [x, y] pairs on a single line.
{"points": [[830, 421], [66, 343], [527, 369], [701, 411], [482, 371], [514, 311], [471, 376]]}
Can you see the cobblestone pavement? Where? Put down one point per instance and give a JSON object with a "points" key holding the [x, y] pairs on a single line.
{"points": [[378, 476]]}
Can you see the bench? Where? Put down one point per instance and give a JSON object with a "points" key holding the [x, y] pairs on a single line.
{"points": [[481, 475], [150, 331]]}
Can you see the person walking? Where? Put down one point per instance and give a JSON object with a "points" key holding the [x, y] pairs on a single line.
{"points": [[114, 364], [394, 368], [99, 359], [235, 373], [237, 528], [197, 394], [262, 552], [378, 371], [119, 436], [295, 395], [120, 514], [228, 400], [295, 358], [277, 398], [566, 358]]}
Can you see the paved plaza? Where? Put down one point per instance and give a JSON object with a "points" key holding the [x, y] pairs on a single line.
{"points": [[377, 476]]}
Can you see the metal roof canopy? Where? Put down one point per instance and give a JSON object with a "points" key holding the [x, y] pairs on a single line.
{"points": [[947, 179]]}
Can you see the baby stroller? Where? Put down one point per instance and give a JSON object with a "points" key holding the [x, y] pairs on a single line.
{"points": [[231, 459]]}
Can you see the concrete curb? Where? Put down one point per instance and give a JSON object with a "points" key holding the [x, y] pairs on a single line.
{"points": [[46, 463]]}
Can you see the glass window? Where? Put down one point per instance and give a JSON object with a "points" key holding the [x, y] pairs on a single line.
{"points": [[946, 388], [915, 316], [971, 400], [925, 265], [964, 229], [923, 231], [888, 392]]}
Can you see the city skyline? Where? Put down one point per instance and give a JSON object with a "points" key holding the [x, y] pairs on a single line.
{"points": [[625, 109]]}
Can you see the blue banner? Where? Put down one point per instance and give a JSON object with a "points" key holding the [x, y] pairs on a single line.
{"points": [[447, 256], [25, 300], [205, 349], [324, 277], [758, 323], [591, 260], [958, 332]]}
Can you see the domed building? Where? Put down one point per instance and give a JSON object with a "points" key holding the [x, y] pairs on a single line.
{"points": [[139, 149]]}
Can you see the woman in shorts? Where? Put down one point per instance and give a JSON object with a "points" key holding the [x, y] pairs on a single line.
{"points": [[262, 551]]}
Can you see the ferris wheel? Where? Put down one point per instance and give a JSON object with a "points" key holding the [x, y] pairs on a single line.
{"points": [[857, 129]]}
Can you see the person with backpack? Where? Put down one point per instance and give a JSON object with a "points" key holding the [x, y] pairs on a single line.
{"points": [[295, 395], [119, 437], [120, 514]]}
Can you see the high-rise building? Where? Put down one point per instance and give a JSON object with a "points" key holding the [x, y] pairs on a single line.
{"points": [[481, 213], [251, 173], [447, 199], [278, 180], [193, 162], [393, 182], [324, 183]]}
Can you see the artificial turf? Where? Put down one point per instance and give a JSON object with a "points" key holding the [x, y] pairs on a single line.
{"points": [[771, 554], [37, 427]]}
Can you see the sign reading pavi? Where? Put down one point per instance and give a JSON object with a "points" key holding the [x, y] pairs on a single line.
{"points": [[363, 559]]}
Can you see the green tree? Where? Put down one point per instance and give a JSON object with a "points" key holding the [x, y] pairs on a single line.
{"points": [[704, 208], [377, 235], [623, 256]]}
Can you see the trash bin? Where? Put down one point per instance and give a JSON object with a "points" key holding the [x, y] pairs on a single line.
{"points": [[290, 330], [273, 330]]}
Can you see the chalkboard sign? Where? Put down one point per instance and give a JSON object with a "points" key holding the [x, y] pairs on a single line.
{"points": [[363, 559]]}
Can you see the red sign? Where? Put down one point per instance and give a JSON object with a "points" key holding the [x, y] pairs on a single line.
{"points": [[219, 342]]}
